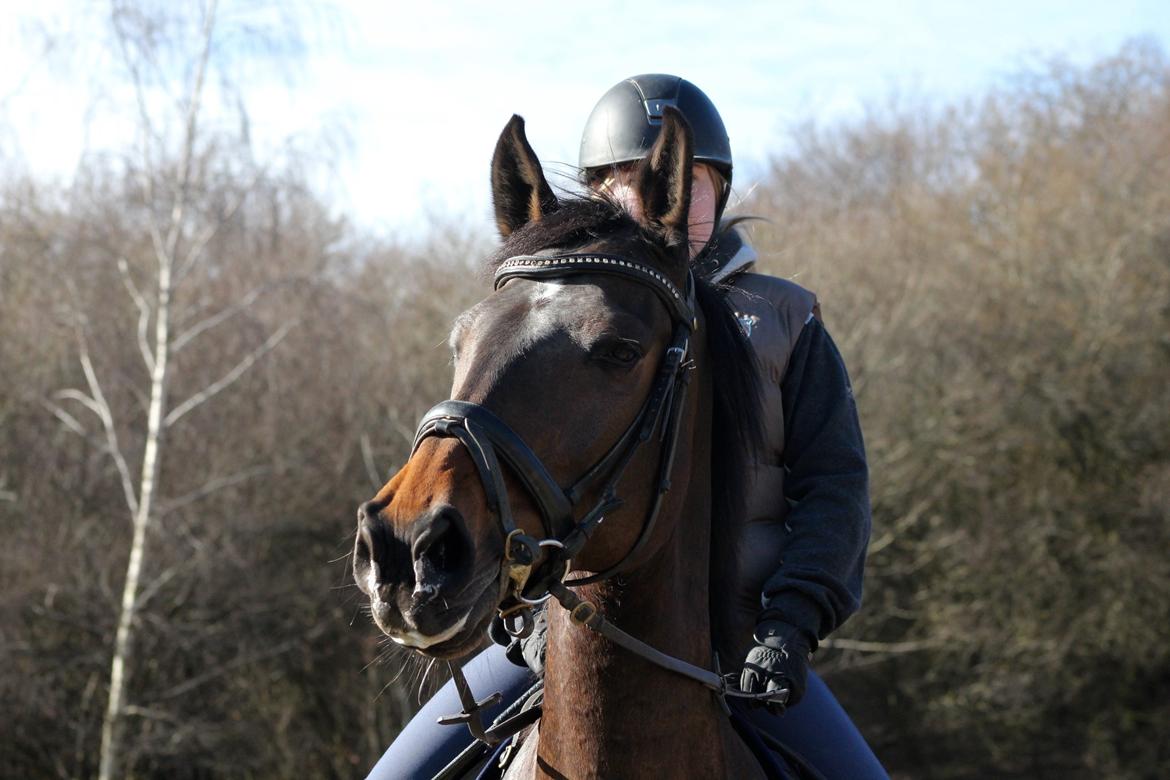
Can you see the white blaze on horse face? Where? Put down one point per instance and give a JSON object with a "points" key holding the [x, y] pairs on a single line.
{"points": [[493, 342], [461, 324], [547, 299], [556, 305], [547, 292]]}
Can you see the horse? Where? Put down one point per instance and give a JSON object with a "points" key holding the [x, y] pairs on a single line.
{"points": [[600, 362]]}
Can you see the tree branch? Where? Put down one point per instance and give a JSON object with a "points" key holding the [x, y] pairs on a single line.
{"points": [[151, 714], [195, 99], [402, 428], [57, 616], [147, 593], [101, 408], [903, 523], [147, 171], [69, 420], [131, 287], [368, 460], [236, 663], [200, 243], [213, 486], [143, 312], [229, 378], [207, 323], [84, 400]]}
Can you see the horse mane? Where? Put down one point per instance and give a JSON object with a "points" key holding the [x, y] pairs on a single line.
{"points": [[737, 422]]}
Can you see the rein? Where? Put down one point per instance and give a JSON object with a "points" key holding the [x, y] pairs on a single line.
{"points": [[534, 570]]}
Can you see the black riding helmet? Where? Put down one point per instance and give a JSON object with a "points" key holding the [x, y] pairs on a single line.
{"points": [[625, 123]]}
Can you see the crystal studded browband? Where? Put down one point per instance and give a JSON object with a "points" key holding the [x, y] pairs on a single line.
{"points": [[541, 266]]}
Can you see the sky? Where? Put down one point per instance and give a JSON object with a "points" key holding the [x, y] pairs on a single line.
{"points": [[405, 100]]}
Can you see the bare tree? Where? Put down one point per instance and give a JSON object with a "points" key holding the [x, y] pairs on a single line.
{"points": [[997, 277], [165, 54]]}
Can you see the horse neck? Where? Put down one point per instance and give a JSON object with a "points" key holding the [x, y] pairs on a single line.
{"points": [[606, 710]]}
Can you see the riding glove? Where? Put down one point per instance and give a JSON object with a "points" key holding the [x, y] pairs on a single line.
{"points": [[778, 662], [527, 651]]}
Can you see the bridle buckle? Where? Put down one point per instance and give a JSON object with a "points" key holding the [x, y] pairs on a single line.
{"points": [[583, 613]]}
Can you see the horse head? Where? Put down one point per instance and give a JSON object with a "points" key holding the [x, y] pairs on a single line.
{"points": [[557, 375]]}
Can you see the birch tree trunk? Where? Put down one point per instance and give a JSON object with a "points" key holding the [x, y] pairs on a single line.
{"points": [[183, 217], [166, 249], [112, 723]]}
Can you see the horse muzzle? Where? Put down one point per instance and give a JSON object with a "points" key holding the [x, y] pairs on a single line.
{"points": [[416, 578]]}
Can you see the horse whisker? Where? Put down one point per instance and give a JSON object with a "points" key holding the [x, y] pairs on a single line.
{"points": [[422, 682]]}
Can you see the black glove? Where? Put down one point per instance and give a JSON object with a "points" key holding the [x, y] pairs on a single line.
{"points": [[530, 650], [778, 662]]}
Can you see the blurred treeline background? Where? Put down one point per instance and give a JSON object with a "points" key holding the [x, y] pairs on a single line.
{"points": [[997, 274]]}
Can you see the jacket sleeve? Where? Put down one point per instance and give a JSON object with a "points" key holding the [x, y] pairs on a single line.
{"points": [[818, 583]]}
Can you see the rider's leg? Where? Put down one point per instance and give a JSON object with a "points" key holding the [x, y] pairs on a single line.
{"points": [[424, 747], [819, 730]]}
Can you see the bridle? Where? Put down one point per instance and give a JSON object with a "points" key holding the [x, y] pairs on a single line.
{"points": [[534, 570], [532, 566]]}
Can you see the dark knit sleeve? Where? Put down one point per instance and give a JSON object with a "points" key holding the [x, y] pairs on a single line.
{"points": [[818, 583]]}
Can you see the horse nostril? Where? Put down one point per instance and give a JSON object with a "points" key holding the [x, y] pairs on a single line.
{"points": [[363, 548], [368, 512], [441, 552], [368, 551]]}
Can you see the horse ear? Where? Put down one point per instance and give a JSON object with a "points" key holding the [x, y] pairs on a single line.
{"points": [[662, 180], [520, 192]]}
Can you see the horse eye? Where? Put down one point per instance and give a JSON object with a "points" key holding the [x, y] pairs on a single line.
{"points": [[623, 353]]}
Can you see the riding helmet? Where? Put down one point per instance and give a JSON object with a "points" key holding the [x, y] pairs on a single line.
{"points": [[626, 121]]}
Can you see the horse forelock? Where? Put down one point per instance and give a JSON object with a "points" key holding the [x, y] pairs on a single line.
{"points": [[581, 222]]}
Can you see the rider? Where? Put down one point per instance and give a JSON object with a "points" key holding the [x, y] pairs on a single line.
{"points": [[802, 542]]}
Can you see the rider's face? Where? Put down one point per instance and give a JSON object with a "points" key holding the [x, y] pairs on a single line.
{"points": [[704, 201], [705, 186]]}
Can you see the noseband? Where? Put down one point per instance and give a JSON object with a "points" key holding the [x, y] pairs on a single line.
{"points": [[533, 569]]}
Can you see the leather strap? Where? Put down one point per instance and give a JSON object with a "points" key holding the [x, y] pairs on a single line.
{"points": [[448, 417], [586, 613], [679, 302]]}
